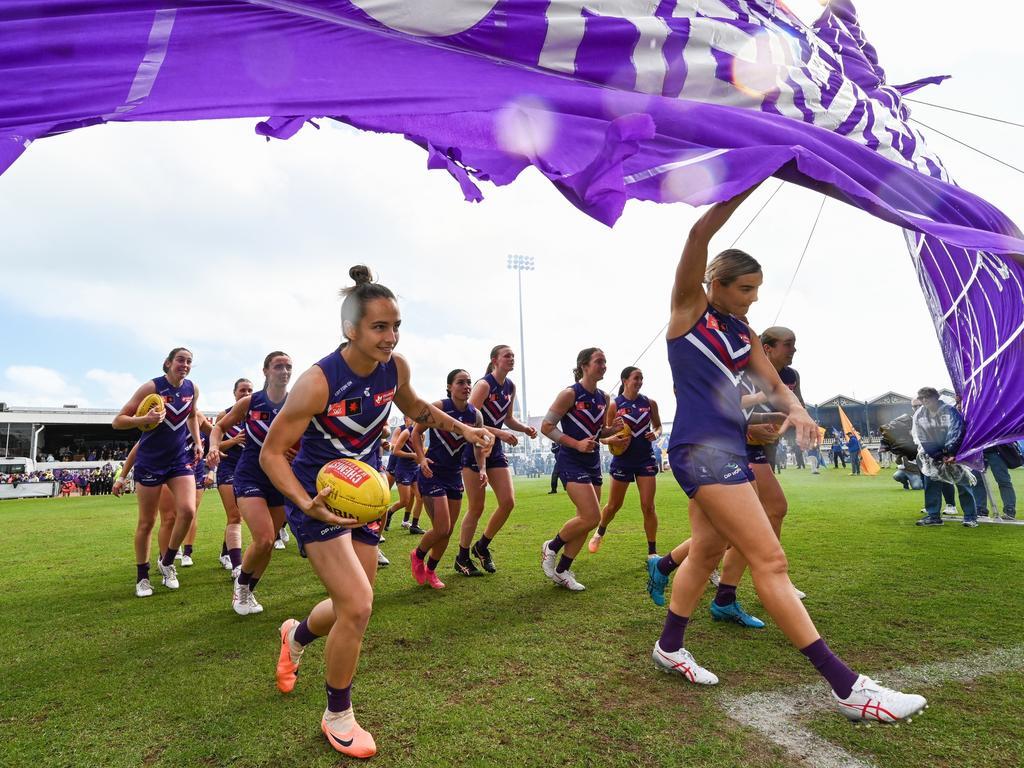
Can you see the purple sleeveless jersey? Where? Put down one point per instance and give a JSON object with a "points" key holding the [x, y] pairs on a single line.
{"points": [[165, 446], [258, 419], [583, 420], [637, 415]]}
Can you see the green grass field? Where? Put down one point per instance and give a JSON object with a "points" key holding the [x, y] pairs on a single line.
{"points": [[500, 671]]}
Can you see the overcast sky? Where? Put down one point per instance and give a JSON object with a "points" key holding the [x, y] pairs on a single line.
{"points": [[119, 242]]}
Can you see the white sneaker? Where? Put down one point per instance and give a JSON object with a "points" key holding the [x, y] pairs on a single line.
{"points": [[240, 595], [235, 571], [186, 561], [285, 536], [177, 555], [950, 510], [382, 561], [715, 578], [875, 703], [278, 544], [169, 574], [225, 562], [406, 524], [799, 594], [547, 559], [682, 663], [381, 540], [567, 579], [143, 588], [254, 604]]}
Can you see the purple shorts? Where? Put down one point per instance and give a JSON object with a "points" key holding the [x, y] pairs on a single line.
{"points": [[496, 459], [405, 476], [309, 530], [697, 465], [153, 477], [571, 472], [249, 486], [225, 475], [756, 454], [445, 482], [627, 473]]}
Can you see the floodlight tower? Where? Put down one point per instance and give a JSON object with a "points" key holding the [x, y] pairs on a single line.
{"points": [[522, 264]]}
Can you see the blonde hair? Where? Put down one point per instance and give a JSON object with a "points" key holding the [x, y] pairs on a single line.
{"points": [[730, 264]]}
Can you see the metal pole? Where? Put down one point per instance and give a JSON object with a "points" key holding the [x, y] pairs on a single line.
{"points": [[524, 409]]}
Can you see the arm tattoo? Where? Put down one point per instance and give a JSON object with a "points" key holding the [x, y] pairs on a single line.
{"points": [[423, 417]]}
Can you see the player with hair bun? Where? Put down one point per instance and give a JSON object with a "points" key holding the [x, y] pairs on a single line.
{"points": [[636, 462], [440, 477], [162, 460], [576, 421], [261, 504], [338, 408]]}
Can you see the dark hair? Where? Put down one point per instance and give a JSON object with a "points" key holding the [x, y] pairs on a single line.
{"points": [[772, 336], [626, 373], [494, 354], [931, 392], [266, 363], [730, 264], [170, 357], [582, 359], [235, 388], [451, 378], [353, 305]]}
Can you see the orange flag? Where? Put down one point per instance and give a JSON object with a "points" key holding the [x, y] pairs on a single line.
{"points": [[868, 465]]}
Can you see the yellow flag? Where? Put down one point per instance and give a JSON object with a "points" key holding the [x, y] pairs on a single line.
{"points": [[868, 465]]}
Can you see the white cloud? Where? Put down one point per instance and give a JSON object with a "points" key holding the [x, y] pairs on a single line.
{"points": [[117, 386], [33, 385]]}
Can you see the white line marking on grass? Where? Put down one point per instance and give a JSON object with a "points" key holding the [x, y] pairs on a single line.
{"points": [[777, 715]]}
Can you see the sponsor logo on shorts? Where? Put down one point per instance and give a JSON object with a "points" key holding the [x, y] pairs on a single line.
{"points": [[731, 470], [329, 529]]}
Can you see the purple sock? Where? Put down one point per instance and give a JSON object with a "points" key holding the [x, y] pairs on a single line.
{"points": [[339, 699], [556, 543], [223, 549], [672, 635], [726, 594], [253, 582], [188, 550], [168, 558], [652, 548], [484, 543], [432, 563], [666, 565], [236, 557], [420, 554], [564, 564], [601, 529], [831, 667], [141, 571], [303, 634], [244, 578], [463, 553]]}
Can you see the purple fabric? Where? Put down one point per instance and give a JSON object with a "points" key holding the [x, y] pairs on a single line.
{"points": [[339, 699], [564, 564], [726, 594], [671, 639], [666, 565], [671, 102], [303, 634], [831, 667]]}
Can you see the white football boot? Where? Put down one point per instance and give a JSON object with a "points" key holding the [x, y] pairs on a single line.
{"points": [[874, 703], [682, 663]]}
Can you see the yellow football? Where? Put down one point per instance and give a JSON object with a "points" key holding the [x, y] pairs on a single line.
{"points": [[619, 450], [357, 489], [153, 402]]}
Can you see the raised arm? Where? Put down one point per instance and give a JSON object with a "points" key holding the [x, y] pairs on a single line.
{"points": [[688, 294], [421, 412]]}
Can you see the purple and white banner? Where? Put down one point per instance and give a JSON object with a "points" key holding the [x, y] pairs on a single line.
{"points": [[672, 101]]}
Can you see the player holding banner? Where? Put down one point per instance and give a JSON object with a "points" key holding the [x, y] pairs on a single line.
{"points": [[338, 409]]}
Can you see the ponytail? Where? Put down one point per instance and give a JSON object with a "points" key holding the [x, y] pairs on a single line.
{"points": [[581, 360]]}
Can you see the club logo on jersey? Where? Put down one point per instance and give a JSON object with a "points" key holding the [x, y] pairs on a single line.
{"points": [[713, 323], [352, 406], [257, 415], [381, 398], [581, 405], [744, 338]]}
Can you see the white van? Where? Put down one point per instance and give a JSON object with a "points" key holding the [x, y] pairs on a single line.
{"points": [[16, 465]]}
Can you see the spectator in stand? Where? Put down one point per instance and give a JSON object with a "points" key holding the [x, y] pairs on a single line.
{"points": [[853, 445], [938, 430]]}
